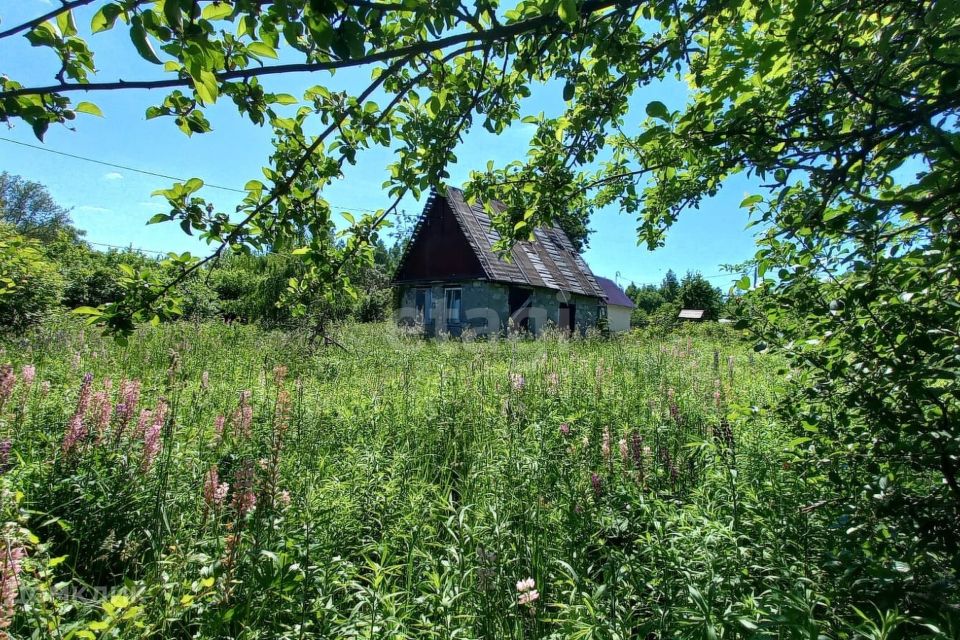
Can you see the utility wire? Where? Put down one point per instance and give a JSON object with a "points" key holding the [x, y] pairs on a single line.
{"points": [[115, 166], [148, 173]]}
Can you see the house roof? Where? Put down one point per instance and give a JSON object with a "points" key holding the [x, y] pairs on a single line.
{"points": [[548, 261], [691, 314], [614, 294]]}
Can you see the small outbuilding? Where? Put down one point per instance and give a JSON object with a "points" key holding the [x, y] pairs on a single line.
{"points": [[619, 306], [691, 315]]}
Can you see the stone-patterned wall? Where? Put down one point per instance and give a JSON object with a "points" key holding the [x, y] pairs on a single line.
{"points": [[485, 308]]}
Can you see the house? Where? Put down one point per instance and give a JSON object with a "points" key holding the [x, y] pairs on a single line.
{"points": [[619, 306], [693, 315], [450, 278]]}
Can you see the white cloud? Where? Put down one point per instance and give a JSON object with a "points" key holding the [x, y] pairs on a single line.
{"points": [[113, 175], [86, 208]]}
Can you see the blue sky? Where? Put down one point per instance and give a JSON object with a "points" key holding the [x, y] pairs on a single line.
{"points": [[112, 205]]}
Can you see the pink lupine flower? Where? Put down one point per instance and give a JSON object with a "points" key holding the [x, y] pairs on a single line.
{"points": [[244, 499], [517, 381], [7, 379], [5, 446], [597, 484], [152, 442], [242, 419], [11, 557], [605, 445], [214, 491], [146, 415], [525, 585], [28, 374], [129, 397], [284, 498], [102, 410], [75, 435], [527, 591], [83, 399], [279, 373], [565, 429], [624, 453], [76, 360], [553, 381], [151, 446], [218, 429]]}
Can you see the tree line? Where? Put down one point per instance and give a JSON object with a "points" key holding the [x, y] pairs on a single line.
{"points": [[47, 265]]}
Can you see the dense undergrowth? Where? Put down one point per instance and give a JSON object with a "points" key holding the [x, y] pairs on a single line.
{"points": [[214, 481]]}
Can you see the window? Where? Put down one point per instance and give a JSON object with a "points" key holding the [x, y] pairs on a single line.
{"points": [[425, 305], [452, 305]]}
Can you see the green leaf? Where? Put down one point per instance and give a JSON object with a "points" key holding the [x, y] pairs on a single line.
{"points": [[284, 98], [88, 107], [567, 10], [88, 311], [749, 201], [657, 109], [206, 86], [105, 18], [138, 36], [66, 24], [217, 11], [262, 50], [569, 90]]}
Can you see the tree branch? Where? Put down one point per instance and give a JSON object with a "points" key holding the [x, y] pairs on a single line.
{"points": [[501, 32]]}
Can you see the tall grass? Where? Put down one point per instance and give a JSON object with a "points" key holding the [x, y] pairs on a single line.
{"points": [[402, 488]]}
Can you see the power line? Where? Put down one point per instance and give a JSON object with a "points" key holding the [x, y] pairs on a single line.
{"points": [[149, 173], [115, 166], [128, 248]]}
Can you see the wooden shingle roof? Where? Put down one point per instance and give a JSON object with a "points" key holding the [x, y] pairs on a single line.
{"points": [[549, 260]]}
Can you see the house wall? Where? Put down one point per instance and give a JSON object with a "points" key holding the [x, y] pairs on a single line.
{"points": [[618, 318], [485, 307]]}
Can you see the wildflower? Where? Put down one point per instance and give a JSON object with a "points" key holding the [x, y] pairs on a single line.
{"points": [[597, 484], [5, 446], [623, 449], [76, 360], [284, 498], [83, 398], [76, 433], [218, 429], [102, 410], [129, 397], [279, 373], [242, 419], [517, 381], [45, 387], [152, 437], [145, 416], [28, 374], [565, 429], [527, 591], [10, 568], [244, 499], [214, 491], [553, 381], [7, 379], [605, 445], [205, 380]]}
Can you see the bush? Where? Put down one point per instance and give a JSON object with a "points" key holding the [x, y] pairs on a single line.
{"points": [[30, 286]]}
